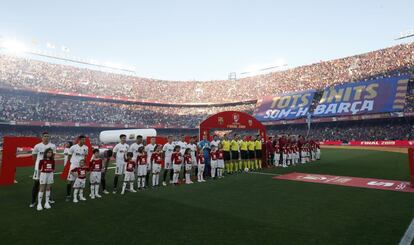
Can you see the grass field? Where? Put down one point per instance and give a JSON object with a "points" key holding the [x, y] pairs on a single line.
{"points": [[240, 209]]}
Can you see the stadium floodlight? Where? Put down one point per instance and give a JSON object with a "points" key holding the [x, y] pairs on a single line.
{"points": [[13, 46]]}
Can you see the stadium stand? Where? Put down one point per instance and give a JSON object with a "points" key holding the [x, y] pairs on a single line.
{"points": [[37, 91], [30, 74]]}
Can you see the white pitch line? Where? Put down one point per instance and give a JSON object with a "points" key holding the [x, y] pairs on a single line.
{"points": [[262, 173], [409, 235]]}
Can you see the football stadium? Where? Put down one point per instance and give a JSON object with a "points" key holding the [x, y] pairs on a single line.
{"points": [[316, 147]]}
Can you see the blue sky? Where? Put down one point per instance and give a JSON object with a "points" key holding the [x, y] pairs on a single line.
{"points": [[203, 40]]}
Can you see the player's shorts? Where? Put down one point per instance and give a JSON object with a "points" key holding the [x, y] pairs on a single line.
{"points": [[277, 157], [226, 155], [220, 163], [156, 168], [168, 163], [177, 167], [234, 155], [258, 154], [213, 163], [79, 183], [188, 166], [71, 177], [244, 155], [46, 178], [201, 167], [129, 176], [142, 170], [252, 155], [120, 169], [95, 177], [194, 161], [36, 174]]}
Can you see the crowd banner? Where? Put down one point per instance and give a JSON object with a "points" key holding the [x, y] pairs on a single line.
{"points": [[284, 106], [374, 96]]}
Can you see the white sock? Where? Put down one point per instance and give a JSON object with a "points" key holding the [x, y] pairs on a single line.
{"points": [[143, 181], [39, 198], [81, 193], [47, 195], [154, 177], [139, 182], [213, 172], [175, 178], [75, 194], [97, 189], [131, 185], [187, 177], [124, 186], [92, 189]]}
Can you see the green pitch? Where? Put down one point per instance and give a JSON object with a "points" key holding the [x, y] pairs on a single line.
{"points": [[239, 209]]}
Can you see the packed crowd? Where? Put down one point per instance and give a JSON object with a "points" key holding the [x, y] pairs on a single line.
{"points": [[15, 106], [30, 74]]}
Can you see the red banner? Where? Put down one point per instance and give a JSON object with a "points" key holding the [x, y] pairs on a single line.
{"points": [[403, 143], [330, 142], [381, 184], [411, 162]]}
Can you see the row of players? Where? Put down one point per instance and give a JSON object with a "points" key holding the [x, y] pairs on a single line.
{"points": [[291, 154], [139, 161], [131, 161]]}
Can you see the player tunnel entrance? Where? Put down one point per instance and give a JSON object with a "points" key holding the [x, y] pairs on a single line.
{"points": [[231, 120], [234, 121]]}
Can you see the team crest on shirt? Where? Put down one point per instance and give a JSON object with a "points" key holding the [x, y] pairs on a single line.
{"points": [[131, 136], [236, 117], [250, 122], [220, 120]]}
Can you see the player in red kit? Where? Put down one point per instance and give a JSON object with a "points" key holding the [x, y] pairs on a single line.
{"points": [[188, 162], [220, 161], [129, 176], [213, 163], [156, 161], [46, 169], [95, 167], [142, 167], [176, 161], [79, 184], [200, 167]]}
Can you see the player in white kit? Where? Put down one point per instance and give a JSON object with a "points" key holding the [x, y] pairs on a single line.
{"points": [[119, 154], [134, 149], [68, 145], [183, 147], [77, 153], [168, 149], [149, 149], [193, 151], [37, 154]]}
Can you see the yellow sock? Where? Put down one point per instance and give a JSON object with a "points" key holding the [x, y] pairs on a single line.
{"points": [[249, 164], [260, 163], [256, 163], [240, 165], [236, 167], [231, 167]]}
